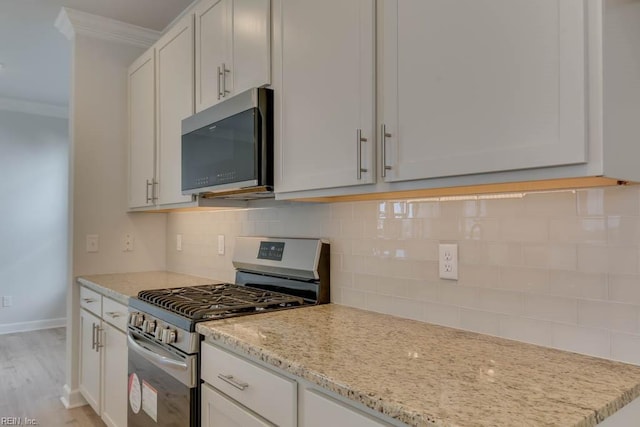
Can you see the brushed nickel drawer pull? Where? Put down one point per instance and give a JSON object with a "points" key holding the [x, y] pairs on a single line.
{"points": [[88, 300], [113, 314], [229, 379]]}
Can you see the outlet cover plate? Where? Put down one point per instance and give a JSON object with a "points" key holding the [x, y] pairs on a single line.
{"points": [[448, 261]]}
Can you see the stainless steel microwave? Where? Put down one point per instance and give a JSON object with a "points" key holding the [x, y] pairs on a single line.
{"points": [[227, 149]]}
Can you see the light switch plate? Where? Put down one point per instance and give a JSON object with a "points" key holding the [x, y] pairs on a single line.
{"points": [[178, 242], [93, 243], [220, 244], [448, 263]]}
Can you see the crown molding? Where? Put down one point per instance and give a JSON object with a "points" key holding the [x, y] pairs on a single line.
{"points": [[71, 22], [37, 108]]}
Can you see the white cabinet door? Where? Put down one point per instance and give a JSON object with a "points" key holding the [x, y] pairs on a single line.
{"points": [[213, 50], [175, 89], [114, 366], [251, 45], [219, 411], [326, 94], [319, 411], [90, 359], [233, 48], [142, 133], [474, 86]]}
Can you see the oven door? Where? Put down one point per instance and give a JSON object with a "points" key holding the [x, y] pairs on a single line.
{"points": [[162, 387]]}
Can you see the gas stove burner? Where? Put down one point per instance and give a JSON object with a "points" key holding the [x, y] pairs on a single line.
{"points": [[217, 300]]}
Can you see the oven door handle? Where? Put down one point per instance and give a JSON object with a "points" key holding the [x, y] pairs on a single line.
{"points": [[155, 357]]}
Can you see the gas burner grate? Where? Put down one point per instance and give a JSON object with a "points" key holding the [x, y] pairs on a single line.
{"points": [[217, 300]]}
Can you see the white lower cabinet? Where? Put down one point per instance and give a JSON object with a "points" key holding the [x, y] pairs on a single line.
{"points": [[261, 391], [103, 357], [319, 410], [238, 392], [90, 360], [220, 411], [114, 366]]}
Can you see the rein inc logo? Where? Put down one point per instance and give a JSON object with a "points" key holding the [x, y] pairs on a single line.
{"points": [[18, 421]]}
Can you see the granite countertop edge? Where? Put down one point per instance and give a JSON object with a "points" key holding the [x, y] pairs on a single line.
{"points": [[377, 403], [389, 409]]}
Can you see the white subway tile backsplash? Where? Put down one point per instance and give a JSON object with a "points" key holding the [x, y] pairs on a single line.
{"points": [[442, 314], [546, 307], [557, 204], [593, 259], [525, 230], [480, 321], [609, 315], [579, 285], [525, 279], [625, 348], [532, 331], [591, 341], [504, 302], [578, 230], [624, 288], [461, 296], [559, 269]]}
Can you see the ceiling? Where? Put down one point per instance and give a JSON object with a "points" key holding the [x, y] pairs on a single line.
{"points": [[36, 56]]}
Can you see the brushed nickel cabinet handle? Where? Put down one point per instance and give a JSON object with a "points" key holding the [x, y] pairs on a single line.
{"points": [[225, 92], [88, 300], [359, 141], [99, 344], [113, 314], [149, 184], [229, 379], [93, 337], [383, 137], [154, 192], [219, 85]]}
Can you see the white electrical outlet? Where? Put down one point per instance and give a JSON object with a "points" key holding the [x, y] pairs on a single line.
{"points": [[93, 243], [448, 263], [178, 242], [7, 301], [127, 243], [220, 244]]}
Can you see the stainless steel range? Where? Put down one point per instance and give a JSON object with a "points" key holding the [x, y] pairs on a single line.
{"points": [[271, 274]]}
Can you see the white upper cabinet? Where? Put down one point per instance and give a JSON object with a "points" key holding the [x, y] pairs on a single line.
{"points": [[175, 92], [324, 89], [233, 48], [481, 86], [142, 124]]}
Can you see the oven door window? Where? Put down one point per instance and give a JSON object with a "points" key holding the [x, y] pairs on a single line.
{"points": [[221, 153]]}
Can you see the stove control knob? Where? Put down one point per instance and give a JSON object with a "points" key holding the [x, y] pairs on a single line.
{"points": [[136, 319], [148, 326], [158, 333], [168, 336]]}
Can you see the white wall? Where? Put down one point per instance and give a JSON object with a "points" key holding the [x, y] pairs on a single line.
{"points": [[98, 118], [33, 220], [557, 269]]}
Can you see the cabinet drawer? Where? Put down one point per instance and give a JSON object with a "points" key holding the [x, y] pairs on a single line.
{"points": [[320, 410], [219, 411], [263, 391], [114, 313], [91, 301]]}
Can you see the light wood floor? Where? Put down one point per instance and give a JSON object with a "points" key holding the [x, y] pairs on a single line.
{"points": [[32, 373]]}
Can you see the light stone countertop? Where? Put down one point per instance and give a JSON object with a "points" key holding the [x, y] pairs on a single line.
{"points": [[426, 375], [121, 286]]}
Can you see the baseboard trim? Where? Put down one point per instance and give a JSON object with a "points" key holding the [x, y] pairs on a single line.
{"points": [[32, 326], [72, 399]]}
